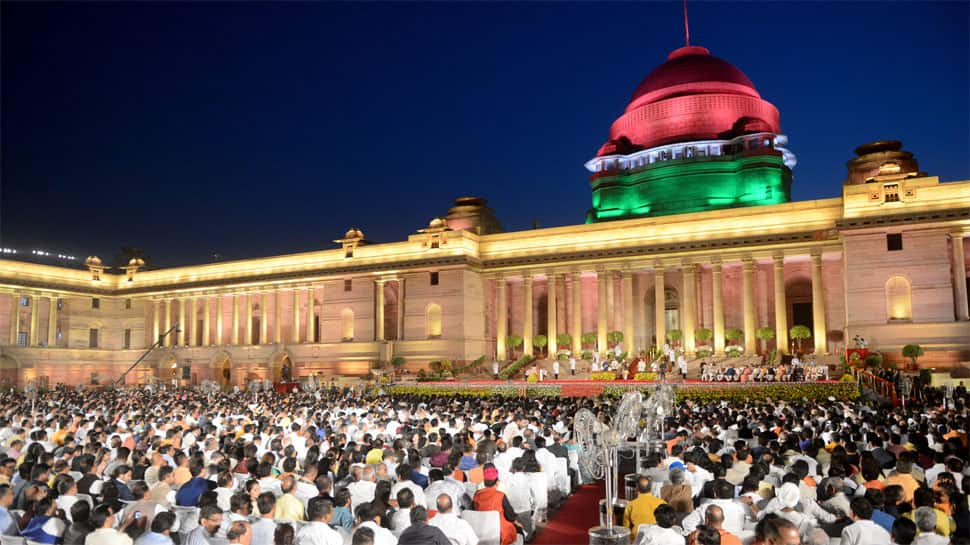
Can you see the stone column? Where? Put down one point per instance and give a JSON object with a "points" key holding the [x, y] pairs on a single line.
{"points": [[32, 337], [156, 316], [962, 313], [551, 325], [52, 322], [234, 336], [310, 322], [747, 289], [577, 316], [379, 310], [626, 285], [249, 319], [601, 310], [182, 335], [193, 322], [501, 319], [14, 318], [690, 306], [659, 304], [295, 334], [219, 312], [527, 317], [168, 322], [610, 303], [781, 306], [206, 321], [401, 284], [718, 295], [277, 316], [263, 318], [818, 305]]}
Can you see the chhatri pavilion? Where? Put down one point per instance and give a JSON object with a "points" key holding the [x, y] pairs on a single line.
{"points": [[691, 228]]}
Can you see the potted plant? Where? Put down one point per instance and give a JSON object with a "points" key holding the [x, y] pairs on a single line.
{"points": [[513, 342], [913, 352], [540, 342], [614, 338], [764, 334], [675, 336], [564, 340], [703, 336], [798, 334], [588, 339]]}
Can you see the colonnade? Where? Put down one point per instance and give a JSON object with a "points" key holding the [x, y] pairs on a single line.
{"points": [[689, 308], [302, 324], [33, 328]]}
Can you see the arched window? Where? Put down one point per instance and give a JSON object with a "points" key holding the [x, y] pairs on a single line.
{"points": [[899, 305], [432, 321], [346, 325]]}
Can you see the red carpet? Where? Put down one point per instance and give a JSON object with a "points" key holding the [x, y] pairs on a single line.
{"points": [[571, 524]]}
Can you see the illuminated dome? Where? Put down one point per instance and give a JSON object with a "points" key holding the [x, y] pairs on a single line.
{"points": [[693, 96], [691, 70]]}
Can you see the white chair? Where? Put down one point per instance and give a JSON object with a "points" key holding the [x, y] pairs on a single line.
{"points": [[86, 498], [538, 484], [486, 526], [12, 540], [17, 514], [561, 472], [187, 518]]}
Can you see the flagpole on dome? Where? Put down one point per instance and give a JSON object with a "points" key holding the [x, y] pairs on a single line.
{"points": [[686, 26]]}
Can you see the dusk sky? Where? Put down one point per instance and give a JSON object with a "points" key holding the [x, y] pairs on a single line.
{"points": [[256, 129]]}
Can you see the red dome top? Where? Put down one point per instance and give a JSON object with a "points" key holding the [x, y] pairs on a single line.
{"points": [[691, 70], [693, 96]]}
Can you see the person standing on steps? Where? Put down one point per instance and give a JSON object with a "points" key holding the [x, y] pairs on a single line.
{"points": [[555, 368]]}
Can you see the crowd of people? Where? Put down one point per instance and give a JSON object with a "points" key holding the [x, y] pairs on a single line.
{"points": [[342, 467], [795, 371]]}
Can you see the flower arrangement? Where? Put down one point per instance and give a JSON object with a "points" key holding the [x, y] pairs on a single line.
{"points": [[704, 352], [603, 375], [533, 378], [734, 350], [698, 393], [645, 376]]}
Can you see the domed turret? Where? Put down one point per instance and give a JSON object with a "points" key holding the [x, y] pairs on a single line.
{"points": [[692, 96], [695, 136]]}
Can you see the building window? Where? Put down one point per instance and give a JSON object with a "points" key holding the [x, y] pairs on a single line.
{"points": [[348, 285], [127, 338], [435, 244], [60, 304], [316, 329], [346, 325], [894, 242], [22, 338], [899, 304], [434, 279], [93, 338], [128, 304], [25, 301], [890, 193], [95, 303], [432, 320], [349, 253]]}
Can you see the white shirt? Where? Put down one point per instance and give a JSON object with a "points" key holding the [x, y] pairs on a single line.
{"points": [[457, 530], [400, 520], [263, 530], [107, 536], [931, 539], [419, 498], [733, 516], [864, 532], [651, 534], [64, 503], [382, 536], [315, 533], [360, 492]]}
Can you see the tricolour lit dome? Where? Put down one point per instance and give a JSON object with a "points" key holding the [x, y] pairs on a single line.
{"points": [[692, 96]]}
